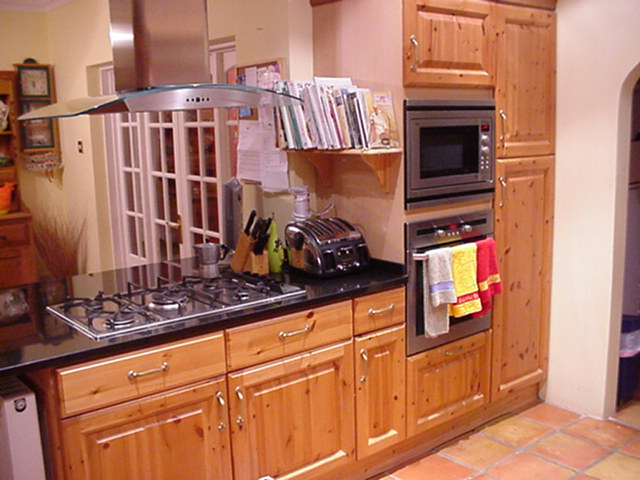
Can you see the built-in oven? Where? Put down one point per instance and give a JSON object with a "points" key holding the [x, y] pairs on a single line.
{"points": [[449, 151], [420, 238]]}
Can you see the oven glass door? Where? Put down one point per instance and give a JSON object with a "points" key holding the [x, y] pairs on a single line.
{"points": [[416, 296]]}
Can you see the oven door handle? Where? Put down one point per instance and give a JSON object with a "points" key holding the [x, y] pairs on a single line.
{"points": [[419, 257]]}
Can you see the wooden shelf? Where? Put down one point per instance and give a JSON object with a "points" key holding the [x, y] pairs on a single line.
{"points": [[379, 160]]}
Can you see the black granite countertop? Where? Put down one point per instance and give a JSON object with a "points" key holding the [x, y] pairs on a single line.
{"points": [[35, 339]]}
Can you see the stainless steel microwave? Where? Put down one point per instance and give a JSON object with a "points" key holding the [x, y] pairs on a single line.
{"points": [[449, 151]]}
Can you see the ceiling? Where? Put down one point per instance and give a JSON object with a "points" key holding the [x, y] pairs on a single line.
{"points": [[32, 5]]}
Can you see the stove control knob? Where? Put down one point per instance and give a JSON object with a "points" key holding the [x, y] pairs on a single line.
{"points": [[440, 233], [466, 228]]}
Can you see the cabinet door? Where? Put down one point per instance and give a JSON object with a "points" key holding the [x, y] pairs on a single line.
{"points": [[380, 390], [523, 229], [446, 382], [525, 90], [180, 434], [294, 417], [448, 42]]}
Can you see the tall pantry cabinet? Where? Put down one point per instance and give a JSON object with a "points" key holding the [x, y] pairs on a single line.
{"points": [[510, 47]]}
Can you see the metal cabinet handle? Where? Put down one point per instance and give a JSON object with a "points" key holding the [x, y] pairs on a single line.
{"points": [[503, 198], [176, 226], [240, 395], [133, 374], [365, 360], [306, 329], [505, 127], [416, 53], [222, 403], [390, 308], [455, 351]]}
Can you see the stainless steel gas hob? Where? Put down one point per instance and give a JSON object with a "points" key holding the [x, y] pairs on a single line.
{"points": [[140, 308]]}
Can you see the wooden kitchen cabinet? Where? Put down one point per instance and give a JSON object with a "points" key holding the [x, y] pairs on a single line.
{"points": [[17, 253], [449, 43], [294, 418], [546, 4], [523, 232], [380, 390], [448, 381], [526, 78], [178, 434]]}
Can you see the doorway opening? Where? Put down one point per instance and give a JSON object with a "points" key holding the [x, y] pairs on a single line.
{"points": [[629, 367]]}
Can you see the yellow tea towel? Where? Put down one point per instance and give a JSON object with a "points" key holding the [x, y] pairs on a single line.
{"points": [[464, 262]]}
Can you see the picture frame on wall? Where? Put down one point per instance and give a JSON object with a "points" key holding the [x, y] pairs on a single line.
{"points": [[36, 134], [34, 81]]}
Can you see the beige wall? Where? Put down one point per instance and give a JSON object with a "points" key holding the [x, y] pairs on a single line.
{"points": [[24, 35], [596, 73]]}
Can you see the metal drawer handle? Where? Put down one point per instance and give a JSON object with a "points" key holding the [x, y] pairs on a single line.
{"points": [[503, 115], [240, 419], [390, 308], [220, 397], [133, 374], [448, 353], [306, 329], [365, 359], [416, 53], [503, 183]]}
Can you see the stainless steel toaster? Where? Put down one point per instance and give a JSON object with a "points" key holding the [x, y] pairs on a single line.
{"points": [[326, 247]]}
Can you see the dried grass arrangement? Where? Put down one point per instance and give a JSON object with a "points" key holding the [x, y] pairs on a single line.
{"points": [[60, 245]]}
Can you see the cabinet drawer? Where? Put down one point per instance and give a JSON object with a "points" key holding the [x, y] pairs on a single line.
{"points": [[115, 379], [281, 336], [14, 234], [378, 310], [17, 266]]}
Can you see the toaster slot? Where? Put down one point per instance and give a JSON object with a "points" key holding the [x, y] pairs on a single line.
{"points": [[329, 261]]}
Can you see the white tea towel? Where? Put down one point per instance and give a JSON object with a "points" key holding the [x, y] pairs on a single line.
{"points": [[439, 291]]}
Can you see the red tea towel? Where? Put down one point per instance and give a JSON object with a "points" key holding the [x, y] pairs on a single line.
{"points": [[489, 282]]}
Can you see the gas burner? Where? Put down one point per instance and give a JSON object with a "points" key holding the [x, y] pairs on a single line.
{"points": [[122, 318], [94, 305]]}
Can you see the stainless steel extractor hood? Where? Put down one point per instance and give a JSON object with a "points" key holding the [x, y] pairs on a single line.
{"points": [[161, 62]]}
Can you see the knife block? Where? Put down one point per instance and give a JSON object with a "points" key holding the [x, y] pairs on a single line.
{"points": [[241, 253], [257, 264]]}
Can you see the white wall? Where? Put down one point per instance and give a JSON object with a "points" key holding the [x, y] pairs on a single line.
{"points": [[598, 49]]}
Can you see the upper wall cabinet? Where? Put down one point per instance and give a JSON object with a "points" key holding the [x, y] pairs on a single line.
{"points": [[525, 90], [548, 4], [449, 43]]}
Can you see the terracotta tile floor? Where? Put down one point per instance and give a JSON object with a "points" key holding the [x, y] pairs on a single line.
{"points": [[543, 442]]}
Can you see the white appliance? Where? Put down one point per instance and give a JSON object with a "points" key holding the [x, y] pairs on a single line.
{"points": [[20, 447]]}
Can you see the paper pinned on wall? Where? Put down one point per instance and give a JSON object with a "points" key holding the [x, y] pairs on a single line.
{"points": [[258, 159]]}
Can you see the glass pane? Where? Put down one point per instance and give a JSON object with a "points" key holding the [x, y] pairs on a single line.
{"points": [[168, 145], [175, 243], [142, 246], [166, 117], [209, 143], [173, 200], [206, 115], [212, 207], [154, 153], [153, 117], [161, 233], [128, 182], [197, 238], [193, 151], [191, 115], [159, 198], [126, 147], [196, 204], [137, 188], [135, 158], [133, 242]]}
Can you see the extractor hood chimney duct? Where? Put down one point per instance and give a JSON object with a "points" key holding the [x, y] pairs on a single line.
{"points": [[161, 62]]}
